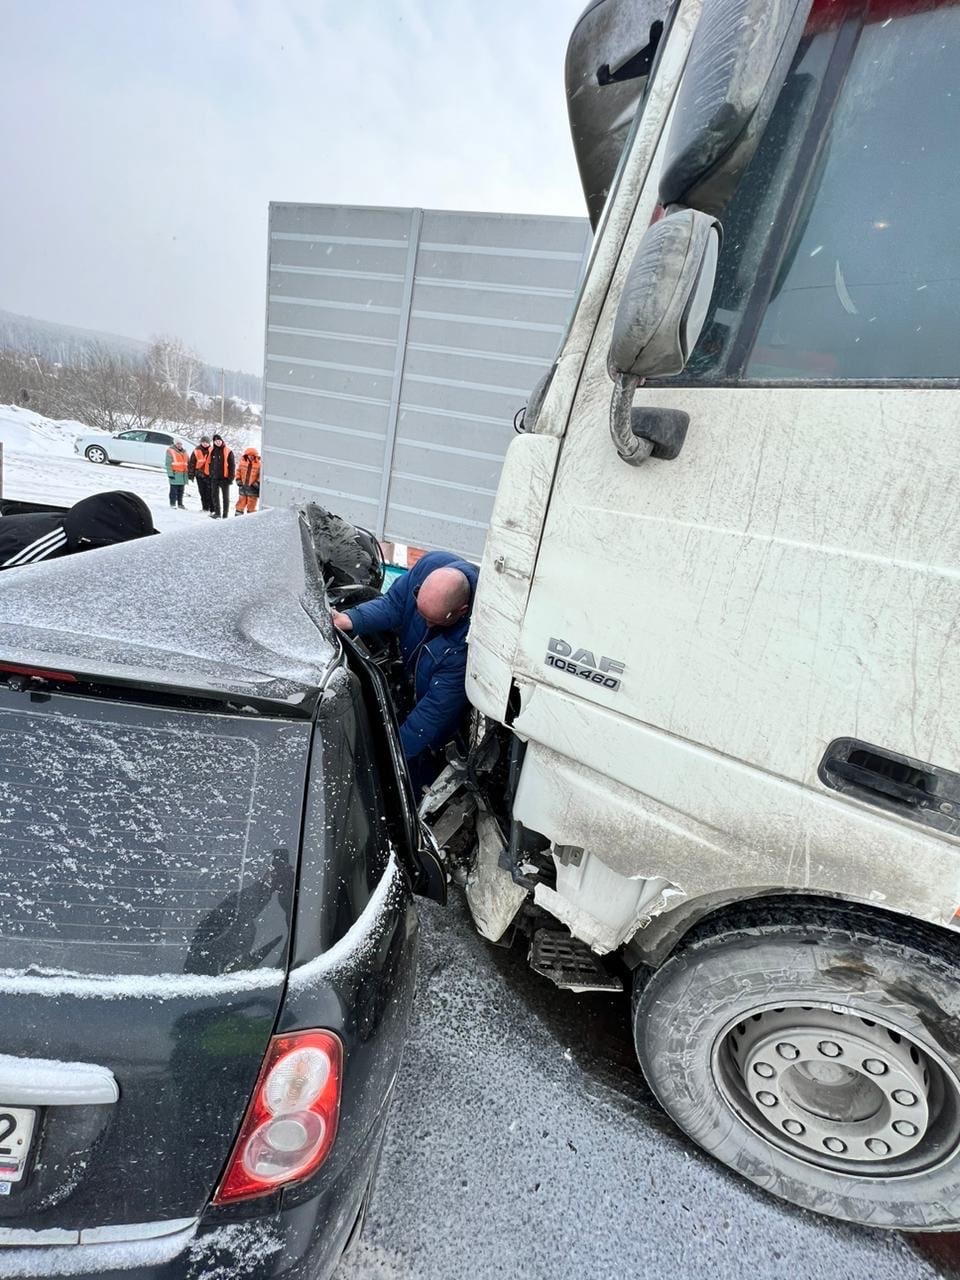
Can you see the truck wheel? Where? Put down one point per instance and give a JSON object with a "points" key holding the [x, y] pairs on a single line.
{"points": [[819, 1056]]}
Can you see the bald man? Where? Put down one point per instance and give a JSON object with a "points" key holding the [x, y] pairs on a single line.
{"points": [[429, 609]]}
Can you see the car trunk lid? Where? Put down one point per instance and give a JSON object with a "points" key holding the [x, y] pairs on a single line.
{"points": [[149, 859]]}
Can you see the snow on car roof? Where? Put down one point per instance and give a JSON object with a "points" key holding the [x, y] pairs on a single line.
{"points": [[238, 606]]}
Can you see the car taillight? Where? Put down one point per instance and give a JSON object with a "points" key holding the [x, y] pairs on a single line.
{"points": [[291, 1120], [36, 673]]}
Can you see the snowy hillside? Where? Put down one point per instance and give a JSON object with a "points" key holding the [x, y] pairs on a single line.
{"points": [[23, 431], [65, 343]]}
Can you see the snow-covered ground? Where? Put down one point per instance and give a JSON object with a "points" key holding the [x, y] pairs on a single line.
{"points": [[39, 465], [24, 431]]}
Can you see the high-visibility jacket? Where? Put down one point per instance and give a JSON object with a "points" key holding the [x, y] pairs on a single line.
{"points": [[219, 464], [198, 461], [248, 472], [177, 461]]}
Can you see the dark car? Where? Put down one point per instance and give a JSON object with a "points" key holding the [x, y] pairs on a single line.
{"points": [[207, 938]]}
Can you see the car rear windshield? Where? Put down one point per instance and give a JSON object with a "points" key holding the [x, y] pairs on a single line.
{"points": [[142, 840]]}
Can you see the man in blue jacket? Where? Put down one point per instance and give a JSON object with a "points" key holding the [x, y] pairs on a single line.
{"points": [[429, 609]]}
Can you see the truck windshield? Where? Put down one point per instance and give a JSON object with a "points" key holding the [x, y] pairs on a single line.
{"points": [[841, 252]]}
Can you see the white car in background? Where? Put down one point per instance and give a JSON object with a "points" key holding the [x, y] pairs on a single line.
{"points": [[140, 447]]}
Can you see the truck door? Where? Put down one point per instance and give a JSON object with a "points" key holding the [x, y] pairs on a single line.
{"points": [[702, 629]]}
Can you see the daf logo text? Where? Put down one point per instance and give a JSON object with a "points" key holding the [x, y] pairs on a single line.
{"points": [[582, 663]]}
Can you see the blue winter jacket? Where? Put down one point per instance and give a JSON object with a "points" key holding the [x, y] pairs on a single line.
{"points": [[435, 657]]}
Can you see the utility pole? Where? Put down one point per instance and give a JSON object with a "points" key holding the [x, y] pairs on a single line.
{"points": [[221, 400]]}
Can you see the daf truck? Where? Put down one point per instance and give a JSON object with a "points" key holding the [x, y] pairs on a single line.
{"points": [[714, 654]]}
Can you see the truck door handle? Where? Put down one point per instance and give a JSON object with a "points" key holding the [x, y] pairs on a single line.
{"points": [[38, 1082], [871, 780], [913, 789]]}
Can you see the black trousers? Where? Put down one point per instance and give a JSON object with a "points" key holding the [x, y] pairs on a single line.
{"points": [[220, 497], [203, 488]]}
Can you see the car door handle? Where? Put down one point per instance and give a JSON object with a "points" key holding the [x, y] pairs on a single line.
{"points": [[39, 1082]]}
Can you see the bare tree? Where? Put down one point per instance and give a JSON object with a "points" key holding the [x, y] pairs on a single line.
{"points": [[175, 366], [113, 387], [18, 379]]}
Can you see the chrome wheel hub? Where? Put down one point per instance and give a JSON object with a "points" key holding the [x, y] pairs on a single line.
{"points": [[840, 1087]]}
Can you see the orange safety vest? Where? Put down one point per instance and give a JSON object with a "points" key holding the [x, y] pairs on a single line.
{"points": [[178, 458], [227, 459], [248, 472]]}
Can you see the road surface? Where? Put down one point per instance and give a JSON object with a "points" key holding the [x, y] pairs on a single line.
{"points": [[523, 1143]]}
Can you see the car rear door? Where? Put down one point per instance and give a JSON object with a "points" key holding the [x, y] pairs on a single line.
{"points": [[155, 450], [128, 446], [149, 857]]}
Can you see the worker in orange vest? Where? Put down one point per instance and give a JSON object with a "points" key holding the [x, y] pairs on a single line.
{"points": [[198, 471], [248, 480], [177, 465], [221, 468]]}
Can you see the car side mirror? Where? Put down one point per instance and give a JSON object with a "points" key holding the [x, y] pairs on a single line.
{"points": [[661, 313]]}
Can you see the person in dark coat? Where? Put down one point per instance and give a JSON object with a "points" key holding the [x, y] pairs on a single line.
{"points": [[221, 468], [429, 609], [98, 521], [198, 470]]}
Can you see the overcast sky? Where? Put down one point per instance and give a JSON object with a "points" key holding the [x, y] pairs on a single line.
{"points": [[143, 140]]}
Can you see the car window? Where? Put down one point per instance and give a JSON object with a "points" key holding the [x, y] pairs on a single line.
{"points": [[132, 435], [123, 856], [832, 268], [157, 437]]}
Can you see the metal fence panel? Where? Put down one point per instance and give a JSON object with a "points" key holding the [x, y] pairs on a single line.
{"points": [[400, 343]]}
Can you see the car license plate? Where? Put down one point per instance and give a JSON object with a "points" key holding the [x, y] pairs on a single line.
{"points": [[16, 1134]]}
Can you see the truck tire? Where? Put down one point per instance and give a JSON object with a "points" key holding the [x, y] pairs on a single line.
{"points": [[818, 1055]]}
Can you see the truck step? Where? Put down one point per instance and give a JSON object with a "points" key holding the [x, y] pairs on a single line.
{"points": [[570, 963]]}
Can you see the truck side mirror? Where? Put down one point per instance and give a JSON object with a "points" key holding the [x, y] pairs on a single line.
{"points": [[609, 60], [526, 419], [665, 297], [662, 310], [739, 59]]}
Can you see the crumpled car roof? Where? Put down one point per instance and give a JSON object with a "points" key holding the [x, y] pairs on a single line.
{"points": [[235, 607]]}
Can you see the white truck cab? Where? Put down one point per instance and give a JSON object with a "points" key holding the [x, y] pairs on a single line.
{"points": [[719, 605]]}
